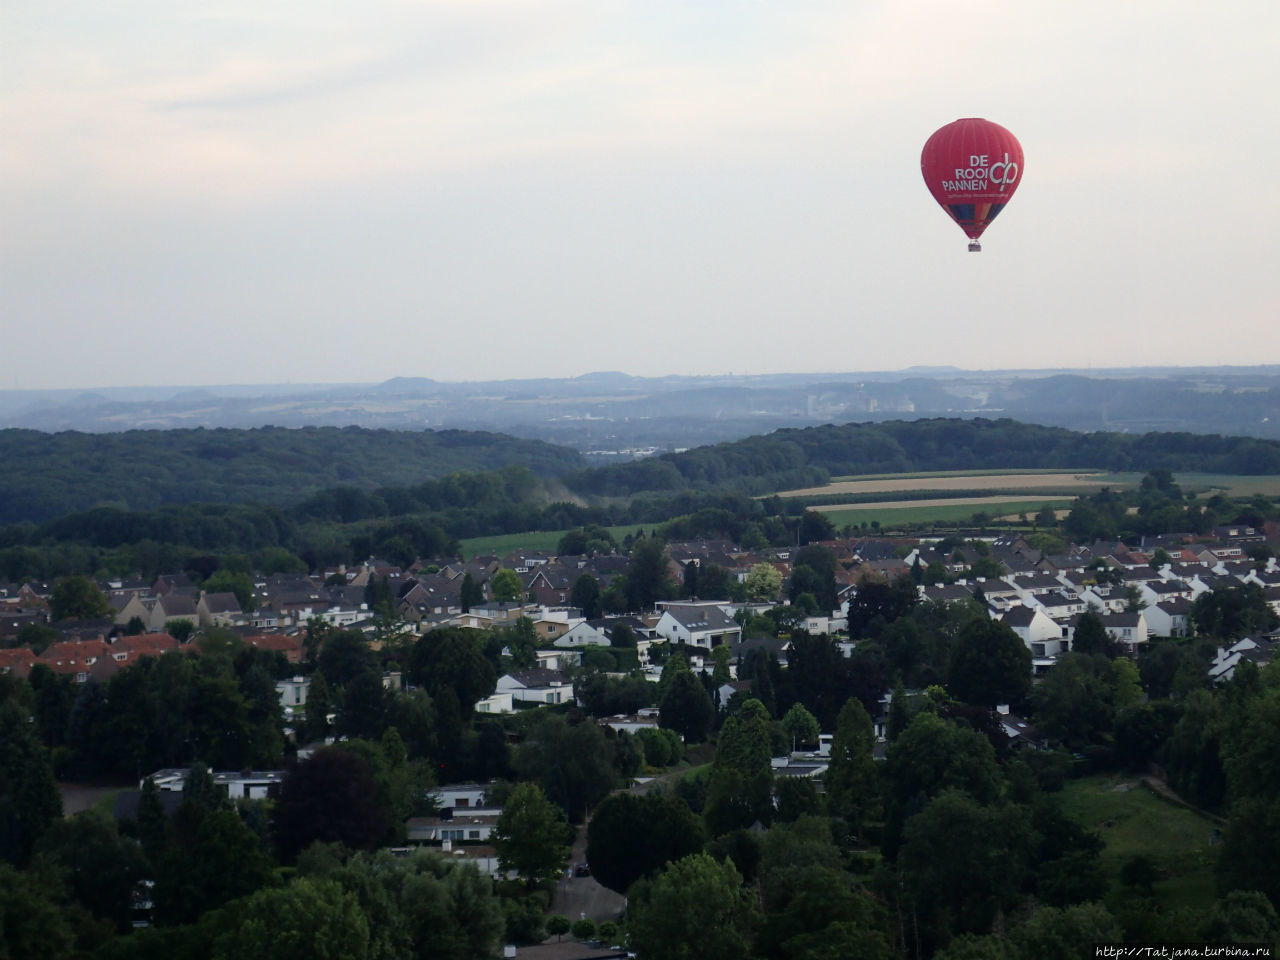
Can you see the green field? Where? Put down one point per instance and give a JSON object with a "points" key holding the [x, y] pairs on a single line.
{"points": [[1132, 820], [535, 541]]}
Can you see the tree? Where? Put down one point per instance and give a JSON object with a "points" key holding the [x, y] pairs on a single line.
{"points": [[1232, 612], [238, 582], [29, 798], [584, 929], [506, 587], [33, 922], [801, 727], [585, 595], [452, 660], [78, 598], [697, 909], [558, 924], [471, 594], [332, 797], [573, 763], [311, 919], [899, 712], [851, 774], [764, 582], [739, 792], [686, 707], [647, 578], [530, 836], [1091, 636], [1075, 703], [965, 862], [931, 755], [990, 665], [100, 866]]}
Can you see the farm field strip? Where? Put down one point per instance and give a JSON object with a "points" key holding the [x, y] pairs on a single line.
{"points": [[947, 502], [1085, 482], [947, 512]]}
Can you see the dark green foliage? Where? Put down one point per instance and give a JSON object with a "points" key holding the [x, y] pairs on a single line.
{"points": [[1091, 636], [930, 756], [29, 800], [78, 598], [797, 797], [686, 708], [452, 659], [965, 862], [32, 921], [572, 762], [990, 665], [531, 836], [633, 836], [100, 866], [307, 920], [1075, 703], [1229, 613], [697, 909], [48, 476], [852, 781], [331, 797]]}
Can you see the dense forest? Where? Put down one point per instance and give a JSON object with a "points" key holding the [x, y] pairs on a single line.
{"points": [[47, 475]]}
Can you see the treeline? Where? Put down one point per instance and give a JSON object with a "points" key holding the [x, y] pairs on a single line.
{"points": [[47, 475], [349, 525], [811, 456]]}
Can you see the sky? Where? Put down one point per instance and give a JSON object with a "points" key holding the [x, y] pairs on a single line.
{"points": [[329, 191]]}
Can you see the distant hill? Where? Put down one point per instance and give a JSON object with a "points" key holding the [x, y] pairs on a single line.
{"points": [[48, 475]]}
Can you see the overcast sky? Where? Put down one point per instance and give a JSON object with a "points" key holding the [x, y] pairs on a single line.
{"points": [[240, 192]]}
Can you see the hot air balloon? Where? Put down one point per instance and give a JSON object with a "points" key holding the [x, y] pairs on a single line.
{"points": [[972, 167]]}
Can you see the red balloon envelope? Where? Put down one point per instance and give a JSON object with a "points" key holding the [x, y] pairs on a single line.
{"points": [[972, 167]]}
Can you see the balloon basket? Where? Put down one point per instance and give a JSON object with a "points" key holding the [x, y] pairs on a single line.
{"points": [[975, 246]]}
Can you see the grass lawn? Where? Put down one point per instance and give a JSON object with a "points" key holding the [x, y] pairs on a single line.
{"points": [[1132, 820], [535, 541]]}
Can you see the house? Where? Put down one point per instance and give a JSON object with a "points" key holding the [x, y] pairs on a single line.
{"points": [[583, 634], [134, 605], [293, 692], [460, 796], [471, 827], [536, 686], [1037, 631], [173, 606], [557, 659], [290, 646], [1169, 618], [218, 609], [1128, 629], [1257, 650], [496, 703], [699, 625]]}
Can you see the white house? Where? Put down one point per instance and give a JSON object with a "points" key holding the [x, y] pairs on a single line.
{"points": [[1034, 628], [698, 625], [537, 686], [293, 693], [1169, 618], [496, 703], [460, 796], [582, 634], [474, 827], [1128, 629]]}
